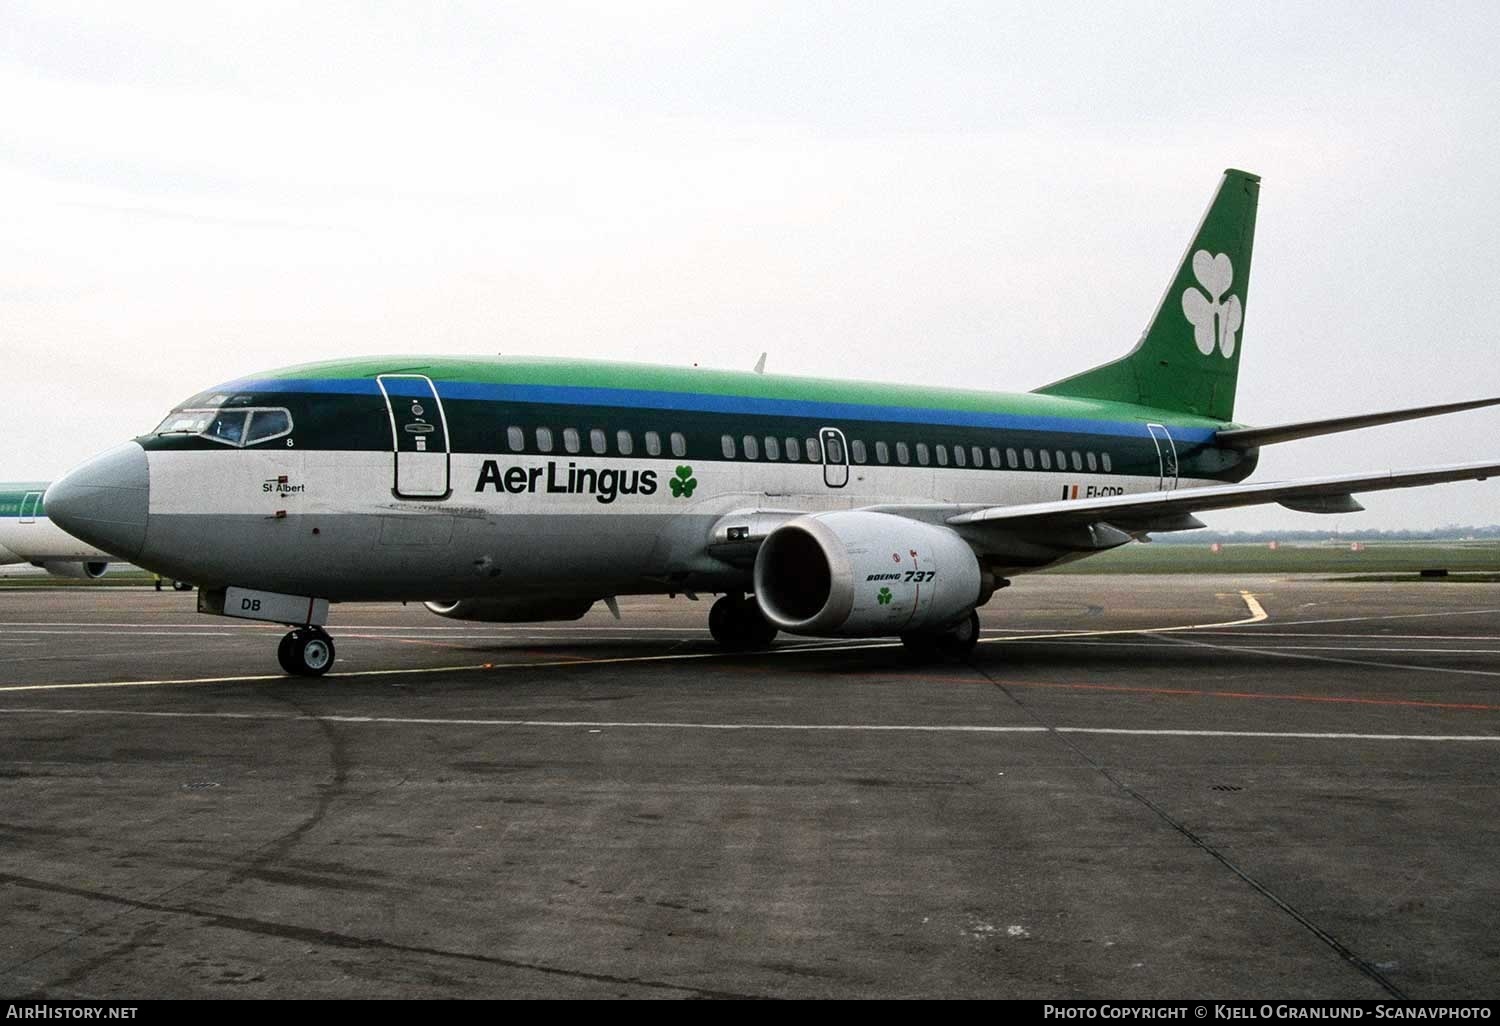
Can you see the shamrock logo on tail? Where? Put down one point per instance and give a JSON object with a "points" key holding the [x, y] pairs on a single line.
{"points": [[684, 483], [883, 596], [1214, 318]]}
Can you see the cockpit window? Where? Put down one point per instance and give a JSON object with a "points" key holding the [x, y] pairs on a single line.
{"points": [[236, 427], [185, 422], [228, 427], [268, 424]]}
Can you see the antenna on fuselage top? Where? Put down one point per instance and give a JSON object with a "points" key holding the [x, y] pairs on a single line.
{"points": [[760, 365]]}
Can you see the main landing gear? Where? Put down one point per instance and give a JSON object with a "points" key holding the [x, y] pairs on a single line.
{"points": [[954, 643], [306, 652], [738, 624]]}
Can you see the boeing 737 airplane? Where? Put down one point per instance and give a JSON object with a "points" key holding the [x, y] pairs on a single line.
{"points": [[528, 489], [27, 535]]}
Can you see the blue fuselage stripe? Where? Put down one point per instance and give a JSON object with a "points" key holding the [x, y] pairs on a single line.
{"points": [[833, 412]]}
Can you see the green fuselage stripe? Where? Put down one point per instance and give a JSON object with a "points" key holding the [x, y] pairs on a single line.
{"points": [[14, 496], [356, 422]]}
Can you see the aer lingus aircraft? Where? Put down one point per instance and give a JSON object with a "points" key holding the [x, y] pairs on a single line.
{"points": [[528, 489], [27, 535]]}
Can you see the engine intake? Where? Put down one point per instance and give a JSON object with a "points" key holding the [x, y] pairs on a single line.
{"points": [[861, 574], [77, 571]]}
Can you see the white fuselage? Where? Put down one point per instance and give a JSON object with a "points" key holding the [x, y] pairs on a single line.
{"points": [[38, 540], [326, 522]]}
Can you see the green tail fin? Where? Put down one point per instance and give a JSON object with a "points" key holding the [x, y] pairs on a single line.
{"points": [[1189, 358]]}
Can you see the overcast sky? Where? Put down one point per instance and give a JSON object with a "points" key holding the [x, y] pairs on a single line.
{"points": [[959, 194]]}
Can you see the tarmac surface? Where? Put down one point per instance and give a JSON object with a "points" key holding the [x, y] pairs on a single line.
{"points": [[1137, 787]]}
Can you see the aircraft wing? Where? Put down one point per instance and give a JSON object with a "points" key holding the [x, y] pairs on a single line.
{"points": [[1149, 509]]}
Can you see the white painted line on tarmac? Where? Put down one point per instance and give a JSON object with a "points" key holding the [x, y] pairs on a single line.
{"points": [[1257, 613], [1289, 734], [142, 683], [132, 626], [1365, 637], [1252, 605], [204, 633], [422, 670], [1387, 616], [1253, 647], [1280, 654], [260, 626], [872, 728]]}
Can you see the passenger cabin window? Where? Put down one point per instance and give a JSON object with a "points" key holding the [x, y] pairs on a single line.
{"points": [[571, 440], [752, 448], [958, 455], [903, 454], [978, 455], [596, 441], [1077, 460], [1046, 460], [882, 453], [814, 450], [1062, 460], [516, 438], [653, 443], [679, 444], [1010, 459], [544, 439], [793, 449], [835, 450], [923, 456], [625, 442], [942, 455], [857, 450], [1030, 459], [773, 448], [1093, 463], [1105, 458], [726, 444]]}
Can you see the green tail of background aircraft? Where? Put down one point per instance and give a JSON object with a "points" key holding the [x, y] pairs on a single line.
{"points": [[528, 489]]}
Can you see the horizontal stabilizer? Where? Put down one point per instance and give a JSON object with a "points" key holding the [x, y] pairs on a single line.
{"points": [[1128, 509], [1249, 438]]}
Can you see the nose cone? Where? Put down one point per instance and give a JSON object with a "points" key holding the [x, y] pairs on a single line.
{"points": [[105, 501]]}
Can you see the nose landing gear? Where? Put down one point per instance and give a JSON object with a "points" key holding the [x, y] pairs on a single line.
{"points": [[306, 652]]}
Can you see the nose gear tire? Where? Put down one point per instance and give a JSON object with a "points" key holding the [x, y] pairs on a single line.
{"points": [[306, 652]]}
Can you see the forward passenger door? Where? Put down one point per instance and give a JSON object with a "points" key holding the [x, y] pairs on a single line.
{"points": [[419, 436]]}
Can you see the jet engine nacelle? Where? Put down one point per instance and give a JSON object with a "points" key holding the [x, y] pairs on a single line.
{"points": [[860, 574], [513, 609], [77, 571]]}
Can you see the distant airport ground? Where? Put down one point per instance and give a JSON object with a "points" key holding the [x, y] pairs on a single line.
{"points": [[1136, 786], [1371, 557], [22, 575], [1466, 560]]}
